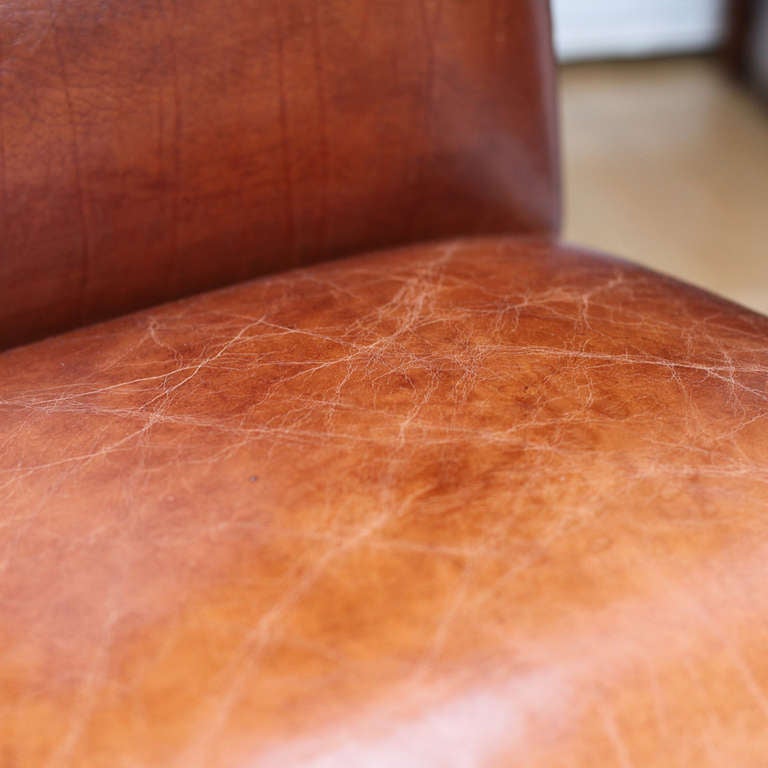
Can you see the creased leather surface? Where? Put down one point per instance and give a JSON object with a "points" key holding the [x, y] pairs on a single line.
{"points": [[149, 150], [475, 504]]}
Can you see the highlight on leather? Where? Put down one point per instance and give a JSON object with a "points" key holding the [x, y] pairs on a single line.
{"points": [[149, 150]]}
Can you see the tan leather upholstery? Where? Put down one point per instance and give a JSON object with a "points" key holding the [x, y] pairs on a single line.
{"points": [[482, 503], [475, 503], [149, 150]]}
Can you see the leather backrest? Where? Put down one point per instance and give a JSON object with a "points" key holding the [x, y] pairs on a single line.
{"points": [[149, 150]]}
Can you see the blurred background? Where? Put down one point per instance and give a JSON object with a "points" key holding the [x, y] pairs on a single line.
{"points": [[665, 136]]}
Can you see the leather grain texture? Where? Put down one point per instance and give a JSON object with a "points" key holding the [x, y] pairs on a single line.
{"points": [[149, 150], [482, 503]]}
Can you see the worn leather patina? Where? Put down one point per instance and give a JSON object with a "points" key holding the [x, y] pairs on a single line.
{"points": [[481, 503]]}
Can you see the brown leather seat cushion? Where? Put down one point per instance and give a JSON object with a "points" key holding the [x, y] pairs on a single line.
{"points": [[495, 501]]}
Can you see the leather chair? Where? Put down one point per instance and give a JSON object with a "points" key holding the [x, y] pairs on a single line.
{"points": [[465, 497]]}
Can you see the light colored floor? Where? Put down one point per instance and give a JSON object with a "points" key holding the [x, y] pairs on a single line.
{"points": [[666, 164]]}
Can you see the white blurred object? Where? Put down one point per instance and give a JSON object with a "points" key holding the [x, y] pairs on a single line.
{"points": [[596, 29]]}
